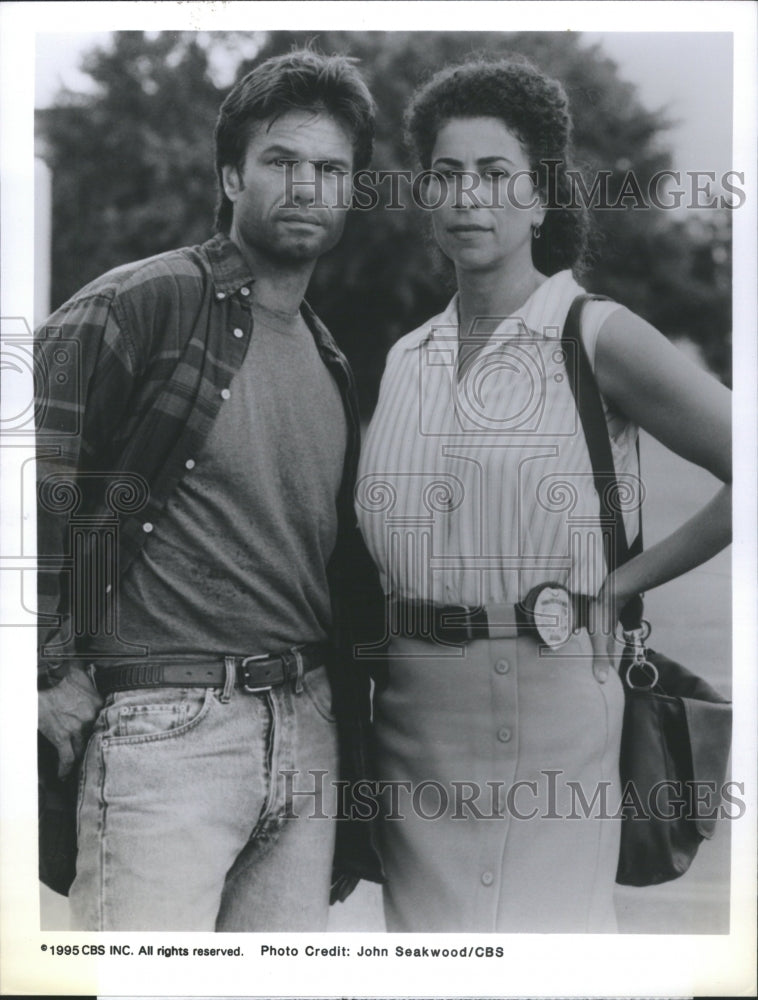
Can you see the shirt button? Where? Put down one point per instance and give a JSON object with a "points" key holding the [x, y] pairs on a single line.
{"points": [[504, 734], [147, 527], [220, 295], [190, 463], [502, 667], [244, 291], [225, 394], [109, 588], [487, 878], [238, 333]]}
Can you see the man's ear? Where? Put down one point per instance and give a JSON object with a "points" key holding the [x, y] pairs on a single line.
{"points": [[232, 182]]}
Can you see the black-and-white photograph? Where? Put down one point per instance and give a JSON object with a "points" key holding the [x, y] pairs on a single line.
{"points": [[378, 463]]}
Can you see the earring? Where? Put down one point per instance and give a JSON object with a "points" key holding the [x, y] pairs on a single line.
{"points": [[537, 232]]}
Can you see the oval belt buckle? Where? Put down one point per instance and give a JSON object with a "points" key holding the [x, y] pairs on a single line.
{"points": [[551, 611]]}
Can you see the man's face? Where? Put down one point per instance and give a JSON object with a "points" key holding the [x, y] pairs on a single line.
{"points": [[291, 211]]}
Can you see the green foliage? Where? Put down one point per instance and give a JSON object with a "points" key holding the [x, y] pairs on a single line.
{"points": [[133, 175]]}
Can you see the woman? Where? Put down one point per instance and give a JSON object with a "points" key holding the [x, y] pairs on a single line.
{"points": [[475, 490]]}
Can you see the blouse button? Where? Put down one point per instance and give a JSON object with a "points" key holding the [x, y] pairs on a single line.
{"points": [[190, 463], [504, 734], [487, 878], [220, 295], [225, 394], [502, 667], [238, 333], [244, 291], [147, 527]]}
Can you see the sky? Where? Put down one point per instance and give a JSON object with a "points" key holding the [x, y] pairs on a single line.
{"points": [[689, 74]]}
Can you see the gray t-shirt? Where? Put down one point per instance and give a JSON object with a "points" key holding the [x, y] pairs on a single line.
{"points": [[237, 563]]}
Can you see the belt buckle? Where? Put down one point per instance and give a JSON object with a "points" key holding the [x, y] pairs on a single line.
{"points": [[549, 608], [255, 688]]}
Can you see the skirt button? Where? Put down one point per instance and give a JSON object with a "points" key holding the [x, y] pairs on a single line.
{"points": [[600, 672]]}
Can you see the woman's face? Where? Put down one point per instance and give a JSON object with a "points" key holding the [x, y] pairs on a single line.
{"points": [[490, 203]]}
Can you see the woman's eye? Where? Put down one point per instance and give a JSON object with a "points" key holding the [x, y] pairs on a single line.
{"points": [[495, 173]]}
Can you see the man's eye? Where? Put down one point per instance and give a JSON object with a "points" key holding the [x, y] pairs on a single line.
{"points": [[333, 169], [495, 173]]}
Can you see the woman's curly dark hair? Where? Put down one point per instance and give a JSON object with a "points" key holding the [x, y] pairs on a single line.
{"points": [[535, 109]]}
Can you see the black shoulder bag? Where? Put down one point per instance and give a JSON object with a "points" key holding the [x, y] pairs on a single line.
{"points": [[676, 732]]}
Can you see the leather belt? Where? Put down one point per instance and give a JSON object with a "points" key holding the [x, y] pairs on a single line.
{"points": [[253, 673], [458, 624]]}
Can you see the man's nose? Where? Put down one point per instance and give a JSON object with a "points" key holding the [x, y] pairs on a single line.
{"points": [[305, 183]]}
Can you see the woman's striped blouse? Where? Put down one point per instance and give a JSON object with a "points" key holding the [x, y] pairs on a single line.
{"points": [[473, 492]]}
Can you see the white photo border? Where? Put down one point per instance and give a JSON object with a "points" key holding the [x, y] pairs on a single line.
{"points": [[534, 965]]}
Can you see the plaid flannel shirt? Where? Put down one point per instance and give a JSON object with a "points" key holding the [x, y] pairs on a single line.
{"points": [[131, 372]]}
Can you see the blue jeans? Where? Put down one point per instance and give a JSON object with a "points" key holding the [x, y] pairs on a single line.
{"points": [[187, 819]]}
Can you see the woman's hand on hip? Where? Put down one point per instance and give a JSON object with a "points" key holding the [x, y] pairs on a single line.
{"points": [[606, 651]]}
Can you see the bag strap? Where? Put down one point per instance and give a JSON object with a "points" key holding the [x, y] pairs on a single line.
{"points": [[592, 416]]}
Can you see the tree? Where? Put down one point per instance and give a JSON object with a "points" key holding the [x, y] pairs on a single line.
{"points": [[133, 163], [133, 175]]}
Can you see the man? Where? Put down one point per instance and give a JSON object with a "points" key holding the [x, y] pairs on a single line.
{"points": [[212, 419]]}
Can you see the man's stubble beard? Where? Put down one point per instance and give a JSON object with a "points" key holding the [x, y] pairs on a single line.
{"points": [[296, 250]]}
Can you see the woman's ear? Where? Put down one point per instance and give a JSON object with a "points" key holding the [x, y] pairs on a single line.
{"points": [[539, 212]]}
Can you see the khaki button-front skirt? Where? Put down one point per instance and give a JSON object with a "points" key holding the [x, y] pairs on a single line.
{"points": [[502, 772]]}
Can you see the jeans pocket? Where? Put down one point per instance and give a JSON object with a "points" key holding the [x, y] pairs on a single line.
{"points": [[317, 688], [145, 716]]}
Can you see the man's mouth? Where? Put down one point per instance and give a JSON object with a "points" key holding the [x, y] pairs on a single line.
{"points": [[302, 220]]}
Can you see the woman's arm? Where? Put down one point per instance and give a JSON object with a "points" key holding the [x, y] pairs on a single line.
{"points": [[687, 410]]}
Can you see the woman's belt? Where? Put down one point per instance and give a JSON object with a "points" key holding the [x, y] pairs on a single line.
{"points": [[549, 613]]}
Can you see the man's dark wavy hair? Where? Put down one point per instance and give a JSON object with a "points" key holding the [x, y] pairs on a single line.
{"points": [[535, 109], [301, 80]]}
